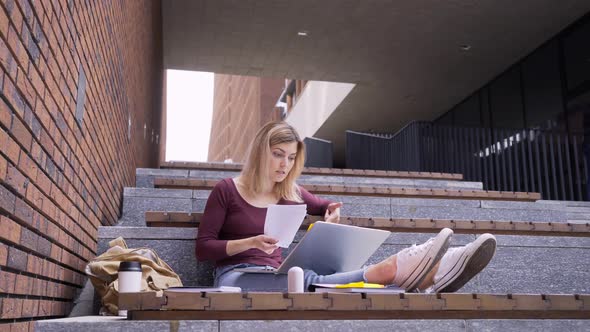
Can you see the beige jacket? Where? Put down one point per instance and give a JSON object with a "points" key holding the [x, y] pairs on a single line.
{"points": [[103, 271]]}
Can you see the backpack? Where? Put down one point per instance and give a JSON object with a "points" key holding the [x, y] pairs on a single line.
{"points": [[103, 272]]}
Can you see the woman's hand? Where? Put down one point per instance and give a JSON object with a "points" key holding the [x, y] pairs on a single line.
{"points": [[261, 242], [333, 213], [264, 243]]}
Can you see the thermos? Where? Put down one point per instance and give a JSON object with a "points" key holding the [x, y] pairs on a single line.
{"points": [[295, 280], [129, 279]]}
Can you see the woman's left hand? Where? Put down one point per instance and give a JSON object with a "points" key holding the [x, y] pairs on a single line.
{"points": [[333, 213]]}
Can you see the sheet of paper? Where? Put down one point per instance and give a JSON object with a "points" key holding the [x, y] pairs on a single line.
{"points": [[283, 221]]}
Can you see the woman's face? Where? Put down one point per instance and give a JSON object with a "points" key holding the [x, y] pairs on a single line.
{"points": [[282, 158]]}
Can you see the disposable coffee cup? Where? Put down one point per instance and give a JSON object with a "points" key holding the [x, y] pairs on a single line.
{"points": [[129, 279]]}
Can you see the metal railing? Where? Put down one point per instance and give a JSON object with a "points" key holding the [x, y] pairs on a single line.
{"points": [[530, 160]]}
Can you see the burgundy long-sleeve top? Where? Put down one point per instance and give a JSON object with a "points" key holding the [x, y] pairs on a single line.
{"points": [[228, 216]]}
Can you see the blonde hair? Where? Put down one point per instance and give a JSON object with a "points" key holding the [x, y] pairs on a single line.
{"points": [[255, 168]]}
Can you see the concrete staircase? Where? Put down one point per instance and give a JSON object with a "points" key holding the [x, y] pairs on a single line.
{"points": [[523, 264]]}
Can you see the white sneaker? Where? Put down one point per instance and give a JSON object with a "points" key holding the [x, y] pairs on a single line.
{"points": [[414, 263], [461, 264]]}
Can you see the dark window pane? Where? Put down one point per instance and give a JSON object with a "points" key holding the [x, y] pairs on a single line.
{"points": [[542, 86], [506, 100], [467, 113], [446, 119], [576, 47], [484, 96]]}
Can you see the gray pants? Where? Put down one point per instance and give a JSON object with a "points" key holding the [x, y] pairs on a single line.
{"points": [[225, 276]]}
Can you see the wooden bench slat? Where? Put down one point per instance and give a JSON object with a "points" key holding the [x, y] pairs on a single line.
{"points": [[336, 305], [322, 171], [183, 219], [188, 183]]}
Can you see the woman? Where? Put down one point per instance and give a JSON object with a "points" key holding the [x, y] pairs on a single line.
{"points": [[231, 230]]}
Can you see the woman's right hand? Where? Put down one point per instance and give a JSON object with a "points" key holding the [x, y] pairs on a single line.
{"points": [[264, 243]]}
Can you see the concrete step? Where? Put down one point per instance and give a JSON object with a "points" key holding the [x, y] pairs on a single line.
{"points": [[537, 228], [368, 190], [102, 323], [216, 166], [523, 264], [145, 179], [137, 201]]}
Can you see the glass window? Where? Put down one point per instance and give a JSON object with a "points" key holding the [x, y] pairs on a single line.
{"points": [[542, 86], [576, 48], [506, 100], [467, 114]]}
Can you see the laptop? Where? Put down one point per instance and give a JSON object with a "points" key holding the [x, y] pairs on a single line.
{"points": [[330, 248]]}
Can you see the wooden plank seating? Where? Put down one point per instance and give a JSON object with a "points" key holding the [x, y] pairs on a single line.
{"points": [[184, 219], [179, 305], [320, 171], [185, 183]]}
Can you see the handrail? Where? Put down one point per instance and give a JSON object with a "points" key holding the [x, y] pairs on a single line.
{"points": [[549, 161]]}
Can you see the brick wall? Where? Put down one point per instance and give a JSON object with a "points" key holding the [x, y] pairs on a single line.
{"points": [[241, 105], [62, 174]]}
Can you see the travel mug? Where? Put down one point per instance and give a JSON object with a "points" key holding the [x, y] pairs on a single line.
{"points": [[295, 280], [129, 279]]}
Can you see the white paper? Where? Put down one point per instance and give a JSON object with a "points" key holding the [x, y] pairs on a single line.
{"points": [[283, 221]]}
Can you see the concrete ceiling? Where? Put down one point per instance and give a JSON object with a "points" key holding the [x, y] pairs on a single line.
{"points": [[406, 57]]}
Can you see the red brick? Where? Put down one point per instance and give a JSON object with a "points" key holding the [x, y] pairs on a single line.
{"points": [[13, 97], [39, 220], [21, 327], [3, 254], [38, 8], [3, 141], [44, 308], [27, 166], [26, 88], [18, 49], [5, 115], [29, 239], [16, 18], [34, 265], [8, 61], [37, 288], [7, 282], [30, 308], [3, 22], [11, 308], [37, 81], [42, 113], [3, 168], [21, 133], [16, 180], [56, 251], [9, 230], [23, 285], [59, 308], [17, 259], [43, 182], [33, 196], [12, 150], [6, 200], [37, 154], [23, 211]]}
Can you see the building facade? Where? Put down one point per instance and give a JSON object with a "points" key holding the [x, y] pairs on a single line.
{"points": [[241, 105]]}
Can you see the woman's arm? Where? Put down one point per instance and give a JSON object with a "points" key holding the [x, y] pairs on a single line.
{"points": [[209, 246], [262, 242], [318, 206]]}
